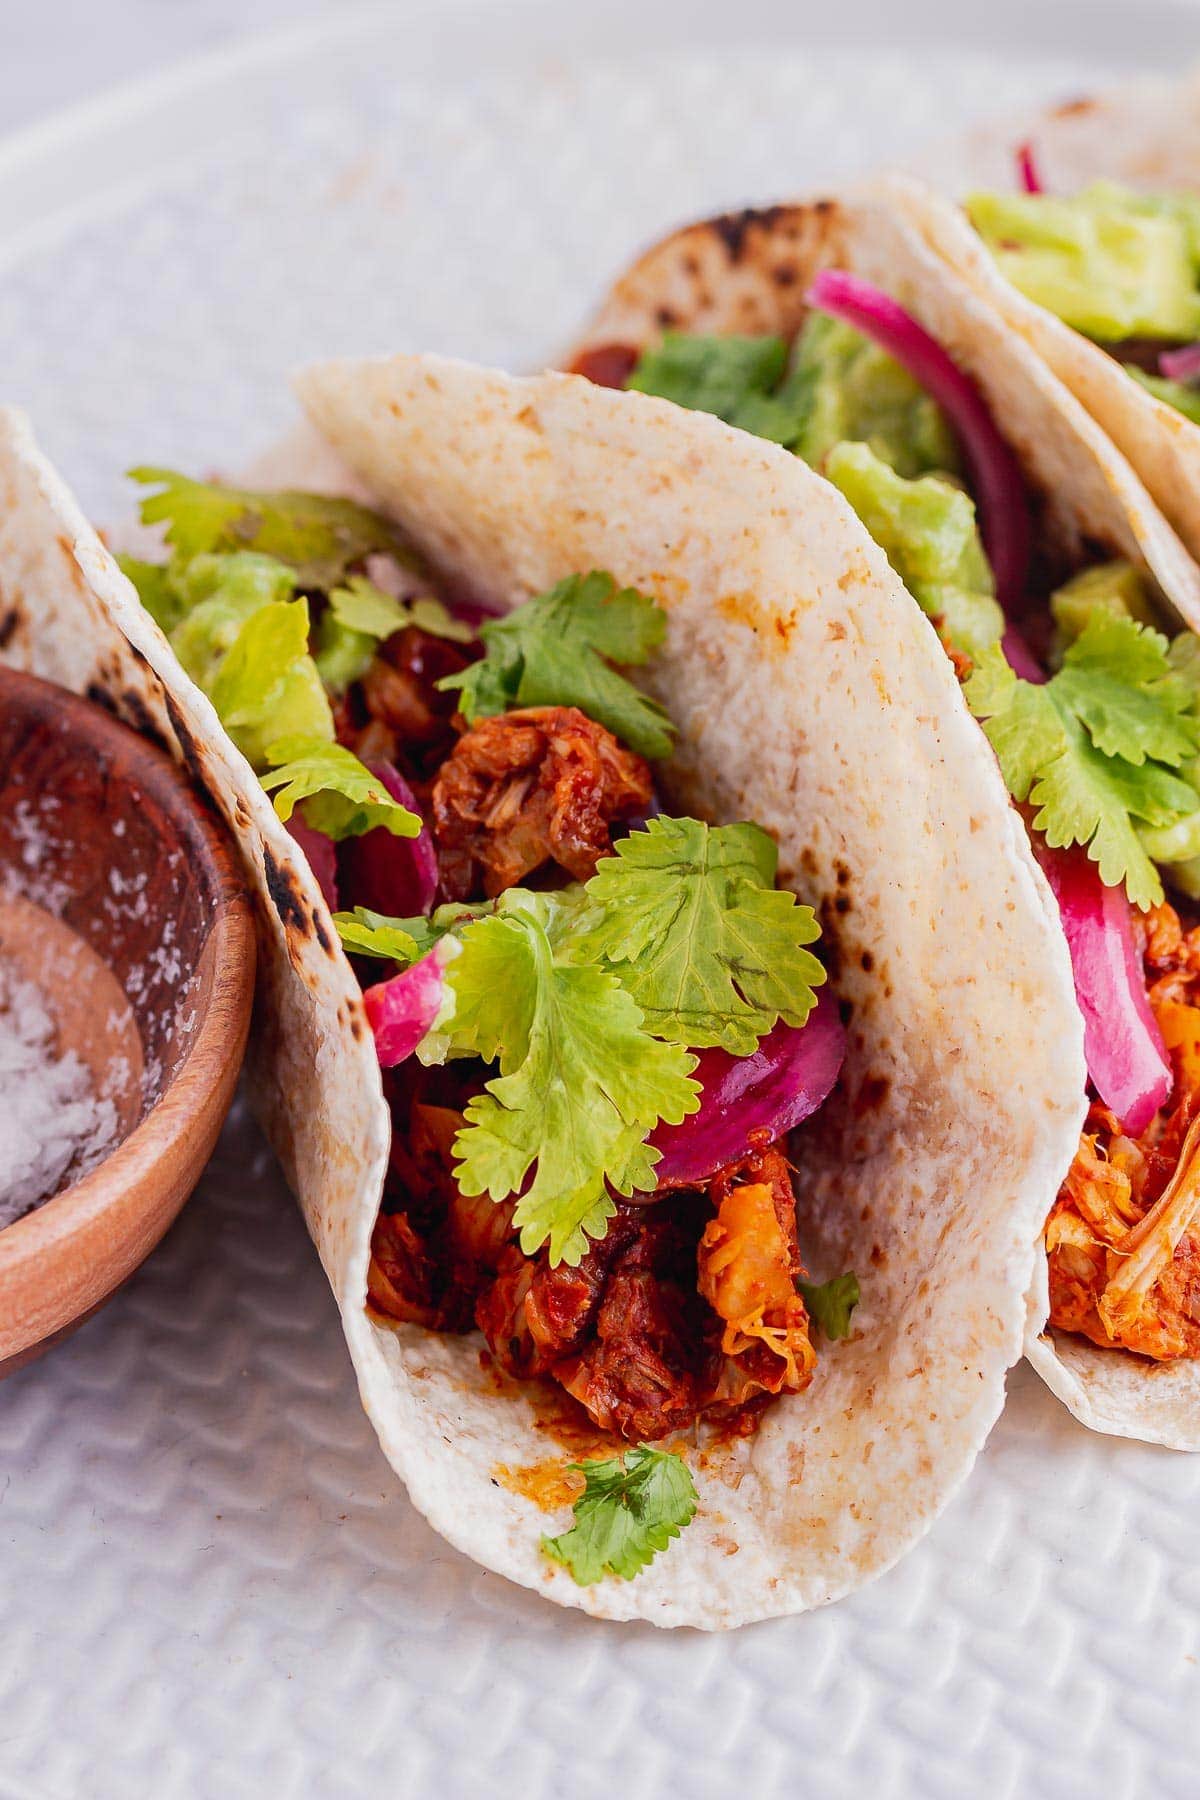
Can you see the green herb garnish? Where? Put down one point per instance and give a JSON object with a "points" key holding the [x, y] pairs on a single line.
{"points": [[1096, 748], [557, 650], [630, 1509], [688, 918]]}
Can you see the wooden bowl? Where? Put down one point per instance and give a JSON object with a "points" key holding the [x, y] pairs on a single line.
{"points": [[121, 899]]}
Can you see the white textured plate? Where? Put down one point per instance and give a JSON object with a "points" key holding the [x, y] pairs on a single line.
{"points": [[210, 1583]]}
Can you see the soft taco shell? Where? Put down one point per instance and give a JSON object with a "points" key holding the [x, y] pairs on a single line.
{"points": [[1146, 135], [796, 669], [749, 272], [809, 693]]}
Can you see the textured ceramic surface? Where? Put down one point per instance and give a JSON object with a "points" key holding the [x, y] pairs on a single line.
{"points": [[212, 1583]]}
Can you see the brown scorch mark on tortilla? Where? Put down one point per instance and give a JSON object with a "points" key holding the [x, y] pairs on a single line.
{"points": [[285, 893], [735, 227]]}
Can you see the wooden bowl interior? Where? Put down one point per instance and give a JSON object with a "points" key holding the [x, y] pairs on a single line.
{"points": [[89, 1008], [93, 838], [121, 901]]}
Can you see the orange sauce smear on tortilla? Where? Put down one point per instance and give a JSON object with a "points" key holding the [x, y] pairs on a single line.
{"points": [[551, 1483]]}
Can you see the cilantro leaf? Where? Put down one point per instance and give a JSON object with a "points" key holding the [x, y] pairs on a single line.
{"points": [[1117, 680], [830, 1303], [360, 614], [491, 685], [361, 606], [733, 377], [319, 538], [630, 1509], [1086, 798], [581, 1082], [688, 919], [342, 797], [552, 651], [1023, 724], [1091, 748]]}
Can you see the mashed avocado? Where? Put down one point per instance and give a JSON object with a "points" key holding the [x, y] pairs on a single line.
{"points": [[1109, 262]]}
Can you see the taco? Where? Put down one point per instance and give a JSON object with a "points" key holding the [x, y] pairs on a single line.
{"points": [[1081, 226], [1057, 588], [602, 1344]]}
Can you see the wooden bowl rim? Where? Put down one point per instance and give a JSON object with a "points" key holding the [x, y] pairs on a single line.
{"points": [[229, 944]]}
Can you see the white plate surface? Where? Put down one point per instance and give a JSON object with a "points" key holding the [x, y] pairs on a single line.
{"points": [[210, 1582]]}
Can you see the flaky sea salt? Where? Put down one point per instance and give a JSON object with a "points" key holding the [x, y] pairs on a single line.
{"points": [[53, 1125]]}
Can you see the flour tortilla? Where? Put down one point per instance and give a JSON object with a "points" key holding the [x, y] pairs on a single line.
{"points": [[810, 694], [749, 272], [1145, 135]]}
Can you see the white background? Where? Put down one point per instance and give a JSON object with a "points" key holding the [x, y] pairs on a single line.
{"points": [[56, 52]]}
